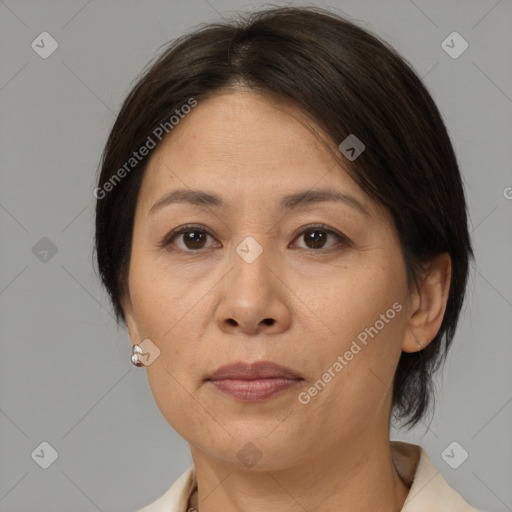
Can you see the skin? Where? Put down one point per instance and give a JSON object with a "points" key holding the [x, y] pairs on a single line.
{"points": [[206, 307]]}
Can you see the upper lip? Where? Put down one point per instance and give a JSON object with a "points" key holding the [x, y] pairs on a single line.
{"points": [[252, 371]]}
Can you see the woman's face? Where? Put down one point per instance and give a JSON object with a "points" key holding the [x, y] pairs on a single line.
{"points": [[251, 281]]}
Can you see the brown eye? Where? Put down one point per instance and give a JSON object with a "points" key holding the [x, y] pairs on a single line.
{"points": [[188, 239], [315, 237], [194, 239]]}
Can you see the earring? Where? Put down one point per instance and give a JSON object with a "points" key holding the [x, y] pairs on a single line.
{"points": [[136, 350], [419, 345]]}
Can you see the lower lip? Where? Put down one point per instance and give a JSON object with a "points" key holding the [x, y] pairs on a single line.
{"points": [[254, 390]]}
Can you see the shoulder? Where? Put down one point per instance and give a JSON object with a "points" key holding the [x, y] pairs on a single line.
{"points": [[175, 499], [428, 488]]}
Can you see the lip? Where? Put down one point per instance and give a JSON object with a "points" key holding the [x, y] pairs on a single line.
{"points": [[254, 382], [252, 371], [254, 390]]}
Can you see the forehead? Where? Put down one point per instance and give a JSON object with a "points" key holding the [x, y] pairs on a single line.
{"points": [[243, 144], [243, 128]]}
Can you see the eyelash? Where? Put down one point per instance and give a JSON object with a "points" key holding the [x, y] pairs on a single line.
{"points": [[168, 239]]}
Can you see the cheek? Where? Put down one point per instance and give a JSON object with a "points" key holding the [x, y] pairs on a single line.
{"points": [[164, 297], [173, 319], [177, 403], [346, 301], [171, 314], [363, 321]]}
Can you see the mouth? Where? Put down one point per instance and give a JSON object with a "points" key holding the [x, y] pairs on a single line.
{"points": [[255, 390], [254, 382]]}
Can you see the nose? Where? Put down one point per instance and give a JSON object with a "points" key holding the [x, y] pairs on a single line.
{"points": [[253, 297]]}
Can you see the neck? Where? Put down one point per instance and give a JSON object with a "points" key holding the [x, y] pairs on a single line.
{"points": [[350, 479]]}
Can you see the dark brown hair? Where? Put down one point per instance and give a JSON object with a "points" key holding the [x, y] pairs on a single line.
{"points": [[349, 82]]}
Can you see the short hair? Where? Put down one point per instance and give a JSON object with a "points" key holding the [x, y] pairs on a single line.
{"points": [[348, 81]]}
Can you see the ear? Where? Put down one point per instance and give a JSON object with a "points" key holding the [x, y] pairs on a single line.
{"points": [[428, 305], [131, 324]]}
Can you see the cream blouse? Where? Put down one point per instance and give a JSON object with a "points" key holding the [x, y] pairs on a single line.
{"points": [[429, 491]]}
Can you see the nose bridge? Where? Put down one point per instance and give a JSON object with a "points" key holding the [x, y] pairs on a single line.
{"points": [[251, 261]]}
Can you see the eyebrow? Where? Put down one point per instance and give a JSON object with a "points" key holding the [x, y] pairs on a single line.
{"points": [[288, 202]]}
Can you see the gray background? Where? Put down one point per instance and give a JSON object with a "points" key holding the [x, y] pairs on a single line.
{"points": [[65, 374]]}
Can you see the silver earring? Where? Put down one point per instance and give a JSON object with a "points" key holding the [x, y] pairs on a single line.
{"points": [[136, 350], [419, 345]]}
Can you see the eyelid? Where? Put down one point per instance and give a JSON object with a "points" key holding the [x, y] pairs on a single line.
{"points": [[166, 241], [323, 227], [344, 240]]}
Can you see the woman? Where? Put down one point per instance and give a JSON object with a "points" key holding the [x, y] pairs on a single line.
{"points": [[281, 225]]}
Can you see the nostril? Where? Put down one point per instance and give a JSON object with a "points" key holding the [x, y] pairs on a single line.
{"points": [[269, 321]]}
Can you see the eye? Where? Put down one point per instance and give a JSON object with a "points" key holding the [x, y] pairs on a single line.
{"points": [[315, 237], [192, 237]]}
